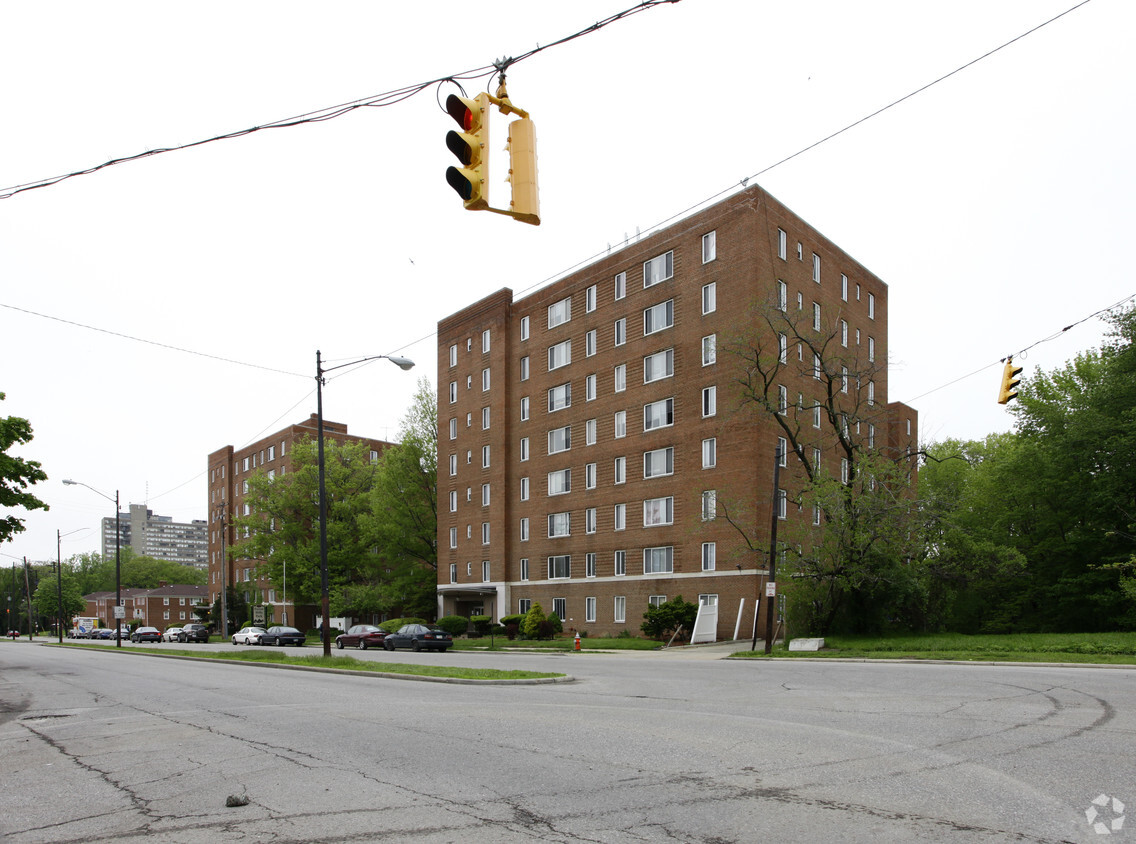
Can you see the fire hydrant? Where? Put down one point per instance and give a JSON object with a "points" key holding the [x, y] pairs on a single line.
{"points": [[577, 640]]}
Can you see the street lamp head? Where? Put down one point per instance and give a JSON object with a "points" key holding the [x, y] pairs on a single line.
{"points": [[70, 482], [401, 363]]}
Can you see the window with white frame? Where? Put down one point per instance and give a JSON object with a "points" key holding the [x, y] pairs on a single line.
{"points": [[709, 505], [782, 452], [782, 504], [485, 533], [560, 439], [709, 247], [484, 380], [524, 527], [658, 414], [453, 391], [559, 524], [871, 349], [620, 286], [871, 393], [782, 296], [560, 482], [590, 299], [620, 377], [590, 343], [710, 453], [844, 379], [524, 328], [525, 368], [620, 331], [524, 568], [620, 470], [454, 355], [816, 367], [709, 556], [709, 349], [590, 432], [485, 457], [589, 476], [709, 298], [816, 316], [658, 511], [659, 268], [453, 500], [844, 470], [620, 425], [871, 436], [816, 268], [782, 245], [524, 489], [524, 408], [524, 449], [453, 572], [658, 462], [656, 600], [709, 401], [707, 600], [620, 517], [485, 341], [485, 495], [589, 609], [453, 465], [524, 605], [559, 567], [844, 333], [658, 366], [589, 520], [844, 287], [658, 560], [560, 312], [559, 397], [658, 317], [619, 610], [559, 355], [783, 348], [484, 418], [871, 306], [485, 571]]}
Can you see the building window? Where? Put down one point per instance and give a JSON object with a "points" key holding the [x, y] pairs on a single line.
{"points": [[589, 609], [485, 533], [590, 388], [658, 366], [708, 600], [620, 286], [782, 399], [590, 343], [524, 408], [485, 495], [709, 247], [560, 312], [560, 397], [484, 571], [816, 268], [524, 568], [844, 333], [871, 306], [709, 401], [619, 612], [485, 341], [590, 520], [453, 391], [524, 489], [560, 439], [816, 316], [524, 328], [782, 503], [560, 608], [559, 567], [710, 453], [658, 269], [454, 355], [485, 457], [453, 537], [620, 563], [844, 379], [485, 418], [658, 560], [709, 349], [453, 572], [658, 511], [453, 500], [844, 470], [620, 377], [709, 556], [620, 470], [559, 524], [589, 476], [782, 245], [560, 482], [709, 298], [871, 349], [524, 605], [525, 368], [660, 414], [782, 296], [709, 505], [658, 462], [658, 317], [559, 355], [621, 331], [871, 393], [782, 452], [590, 432], [524, 449], [620, 425], [620, 518], [844, 287], [484, 380], [590, 299], [816, 367], [524, 529]]}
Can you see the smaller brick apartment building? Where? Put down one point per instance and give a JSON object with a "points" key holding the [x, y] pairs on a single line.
{"points": [[591, 433], [229, 471], [167, 605]]}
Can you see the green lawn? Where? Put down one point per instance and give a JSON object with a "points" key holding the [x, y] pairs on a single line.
{"points": [[1107, 648], [501, 643]]}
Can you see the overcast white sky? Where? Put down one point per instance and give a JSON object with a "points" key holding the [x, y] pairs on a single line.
{"points": [[997, 205]]}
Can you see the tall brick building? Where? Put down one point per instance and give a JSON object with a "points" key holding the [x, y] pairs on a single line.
{"points": [[229, 471], [591, 433]]}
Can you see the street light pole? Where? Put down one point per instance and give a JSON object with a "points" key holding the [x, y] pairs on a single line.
{"points": [[117, 558], [401, 363]]}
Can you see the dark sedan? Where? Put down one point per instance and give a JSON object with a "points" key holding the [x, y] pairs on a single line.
{"points": [[282, 636], [419, 637], [146, 634], [361, 636]]}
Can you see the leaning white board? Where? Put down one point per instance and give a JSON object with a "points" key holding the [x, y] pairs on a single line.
{"points": [[705, 624]]}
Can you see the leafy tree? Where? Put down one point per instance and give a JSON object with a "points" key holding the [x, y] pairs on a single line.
{"points": [[662, 621], [16, 475], [534, 618], [46, 597], [236, 607]]}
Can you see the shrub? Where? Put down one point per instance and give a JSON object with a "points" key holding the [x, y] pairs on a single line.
{"points": [[481, 624], [513, 619], [530, 627], [557, 625], [511, 631], [391, 625], [455, 625], [546, 630], [661, 621]]}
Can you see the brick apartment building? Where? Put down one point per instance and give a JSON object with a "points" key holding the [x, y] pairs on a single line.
{"points": [[229, 471], [590, 433], [157, 536], [167, 605]]}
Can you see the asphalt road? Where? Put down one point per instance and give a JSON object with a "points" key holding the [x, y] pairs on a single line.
{"points": [[640, 748]]}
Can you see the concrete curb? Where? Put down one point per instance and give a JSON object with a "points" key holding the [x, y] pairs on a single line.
{"points": [[908, 661]]}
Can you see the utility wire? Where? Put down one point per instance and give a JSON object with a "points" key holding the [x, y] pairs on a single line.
{"points": [[331, 112]]}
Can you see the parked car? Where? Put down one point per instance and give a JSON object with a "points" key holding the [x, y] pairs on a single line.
{"points": [[248, 636], [194, 633], [146, 634], [171, 634], [419, 637], [102, 633], [361, 636], [282, 636]]}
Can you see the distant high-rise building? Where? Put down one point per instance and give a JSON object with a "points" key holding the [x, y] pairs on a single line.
{"points": [[159, 537]]}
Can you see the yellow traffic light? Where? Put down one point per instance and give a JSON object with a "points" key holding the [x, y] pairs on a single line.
{"points": [[522, 171], [1010, 380], [471, 147]]}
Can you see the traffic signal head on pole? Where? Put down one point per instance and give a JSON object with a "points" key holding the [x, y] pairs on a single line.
{"points": [[522, 171], [1010, 380], [471, 147]]}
